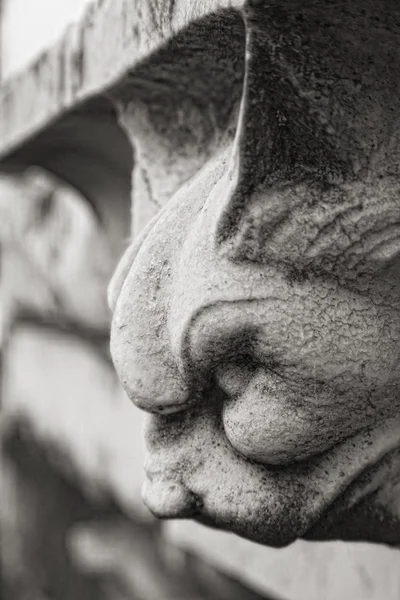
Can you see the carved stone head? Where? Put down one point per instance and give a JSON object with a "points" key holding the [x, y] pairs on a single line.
{"points": [[258, 316]]}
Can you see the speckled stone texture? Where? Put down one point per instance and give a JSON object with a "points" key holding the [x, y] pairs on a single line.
{"points": [[257, 316]]}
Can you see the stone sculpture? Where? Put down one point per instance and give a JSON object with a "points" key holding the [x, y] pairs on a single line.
{"points": [[257, 317]]}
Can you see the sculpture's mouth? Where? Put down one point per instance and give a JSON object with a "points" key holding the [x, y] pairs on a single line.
{"points": [[274, 506]]}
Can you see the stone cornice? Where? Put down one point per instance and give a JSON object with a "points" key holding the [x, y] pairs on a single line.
{"points": [[113, 37]]}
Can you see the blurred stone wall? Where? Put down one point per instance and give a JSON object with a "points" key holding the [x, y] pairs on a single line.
{"points": [[61, 403]]}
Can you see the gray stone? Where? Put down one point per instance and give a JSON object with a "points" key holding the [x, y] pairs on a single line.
{"points": [[255, 313], [258, 316]]}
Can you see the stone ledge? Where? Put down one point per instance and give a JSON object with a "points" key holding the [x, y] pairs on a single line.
{"points": [[110, 40]]}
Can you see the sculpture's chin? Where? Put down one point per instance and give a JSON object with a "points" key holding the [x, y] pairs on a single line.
{"points": [[375, 517], [350, 492], [367, 511], [367, 521]]}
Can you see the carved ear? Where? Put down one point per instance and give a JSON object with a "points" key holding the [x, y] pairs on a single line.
{"points": [[303, 116], [278, 136]]}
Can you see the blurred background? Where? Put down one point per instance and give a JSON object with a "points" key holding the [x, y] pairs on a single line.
{"points": [[72, 523]]}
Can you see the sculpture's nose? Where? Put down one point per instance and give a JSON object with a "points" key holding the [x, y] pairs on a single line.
{"points": [[139, 341], [153, 303], [141, 351], [139, 338], [149, 369]]}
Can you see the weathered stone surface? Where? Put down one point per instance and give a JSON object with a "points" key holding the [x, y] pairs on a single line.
{"points": [[110, 40], [175, 119], [258, 316], [224, 239]]}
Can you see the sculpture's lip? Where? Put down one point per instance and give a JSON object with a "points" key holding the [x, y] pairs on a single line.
{"points": [[168, 499], [293, 509]]}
